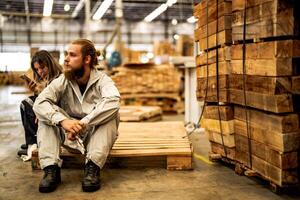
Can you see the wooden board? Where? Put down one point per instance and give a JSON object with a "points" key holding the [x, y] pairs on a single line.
{"points": [[224, 23], [282, 103], [224, 54], [283, 123], [212, 112], [207, 89], [224, 8], [214, 126], [219, 149], [269, 19], [224, 37], [217, 138], [268, 171], [288, 160], [224, 68], [282, 142], [265, 67], [267, 50], [295, 84], [262, 84], [139, 113]]}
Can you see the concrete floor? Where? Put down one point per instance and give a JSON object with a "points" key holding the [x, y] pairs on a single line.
{"points": [[207, 181]]}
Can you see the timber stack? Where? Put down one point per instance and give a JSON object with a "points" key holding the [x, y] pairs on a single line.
{"points": [[260, 83], [263, 86], [213, 36], [150, 85]]}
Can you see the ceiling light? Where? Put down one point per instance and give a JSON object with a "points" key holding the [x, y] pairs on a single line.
{"points": [[174, 22], [176, 36], [171, 2], [192, 19], [162, 8], [78, 8], [67, 7], [156, 12], [102, 9], [48, 4]]}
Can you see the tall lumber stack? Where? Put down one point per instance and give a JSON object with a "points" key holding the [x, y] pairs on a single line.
{"points": [[258, 76], [213, 69], [150, 85], [263, 87]]}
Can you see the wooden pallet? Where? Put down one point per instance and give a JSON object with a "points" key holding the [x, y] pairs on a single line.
{"points": [[148, 144], [242, 169], [140, 113]]}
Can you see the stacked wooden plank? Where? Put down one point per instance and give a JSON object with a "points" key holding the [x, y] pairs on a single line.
{"points": [[263, 83], [268, 140], [150, 85], [271, 75], [214, 23], [260, 81], [218, 122], [140, 113], [265, 18], [11, 78], [147, 79], [208, 75], [213, 69]]}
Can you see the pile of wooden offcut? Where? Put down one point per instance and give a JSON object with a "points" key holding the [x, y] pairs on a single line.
{"points": [[140, 113], [258, 78], [11, 78], [150, 85]]}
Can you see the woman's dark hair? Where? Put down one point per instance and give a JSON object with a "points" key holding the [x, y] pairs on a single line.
{"points": [[88, 48], [45, 59]]}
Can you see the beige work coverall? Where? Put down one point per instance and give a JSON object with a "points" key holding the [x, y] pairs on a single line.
{"points": [[97, 107]]}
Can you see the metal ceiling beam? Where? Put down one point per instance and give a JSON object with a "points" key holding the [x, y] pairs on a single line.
{"points": [[56, 16]]}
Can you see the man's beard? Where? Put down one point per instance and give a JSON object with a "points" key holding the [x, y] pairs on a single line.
{"points": [[72, 74]]}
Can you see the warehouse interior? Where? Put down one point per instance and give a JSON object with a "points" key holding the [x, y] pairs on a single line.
{"points": [[209, 105]]}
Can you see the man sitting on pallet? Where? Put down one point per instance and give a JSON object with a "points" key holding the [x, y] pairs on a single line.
{"points": [[80, 105]]}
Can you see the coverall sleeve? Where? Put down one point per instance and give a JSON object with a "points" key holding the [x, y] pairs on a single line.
{"points": [[46, 105], [108, 108]]}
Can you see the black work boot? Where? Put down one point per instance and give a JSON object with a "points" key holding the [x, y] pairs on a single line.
{"points": [[51, 179], [91, 179]]}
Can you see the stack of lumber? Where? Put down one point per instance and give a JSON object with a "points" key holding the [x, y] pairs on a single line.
{"points": [[140, 113], [267, 140], [274, 144], [185, 45], [271, 75], [218, 122], [147, 79], [208, 75], [11, 78], [265, 18], [259, 78], [150, 85], [161, 48], [214, 23], [213, 69]]}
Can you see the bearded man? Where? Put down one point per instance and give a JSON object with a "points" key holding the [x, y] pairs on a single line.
{"points": [[79, 107]]}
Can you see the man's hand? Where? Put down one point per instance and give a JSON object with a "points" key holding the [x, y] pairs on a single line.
{"points": [[72, 126]]}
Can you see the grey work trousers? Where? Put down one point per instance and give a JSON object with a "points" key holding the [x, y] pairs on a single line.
{"points": [[98, 143]]}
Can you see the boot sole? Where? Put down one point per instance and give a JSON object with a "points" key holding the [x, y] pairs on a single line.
{"points": [[91, 188], [46, 189]]}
